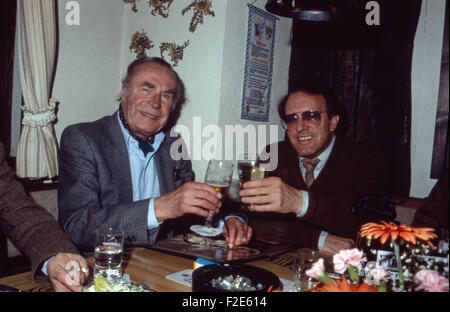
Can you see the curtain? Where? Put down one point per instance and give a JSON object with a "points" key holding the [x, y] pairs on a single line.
{"points": [[370, 69], [37, 152]]}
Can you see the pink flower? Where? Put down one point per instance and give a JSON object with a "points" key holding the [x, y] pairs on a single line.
{"points": [[430, 281], [376, 275], [317, 269], [345, 257]]}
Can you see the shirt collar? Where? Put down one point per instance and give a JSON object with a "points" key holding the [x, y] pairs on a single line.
{"points": [[129, 140], [323, 157]]}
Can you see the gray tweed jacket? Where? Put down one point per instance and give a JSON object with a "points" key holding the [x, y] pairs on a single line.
{"points": [[95, 185]]}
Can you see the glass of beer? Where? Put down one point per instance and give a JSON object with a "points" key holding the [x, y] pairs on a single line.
{"points": [[108, 252], [219, 175], [249, 170]]}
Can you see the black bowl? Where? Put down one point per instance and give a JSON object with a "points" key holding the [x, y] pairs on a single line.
{"points": [[202, 277]]}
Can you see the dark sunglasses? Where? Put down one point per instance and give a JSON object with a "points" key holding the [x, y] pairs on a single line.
{"points": [[311, 116]]}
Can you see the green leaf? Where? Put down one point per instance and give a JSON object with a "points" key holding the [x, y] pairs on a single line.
{"points": [[382, 286], [325, 279], [353, 273]]}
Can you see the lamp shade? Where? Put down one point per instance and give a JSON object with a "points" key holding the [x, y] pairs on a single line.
{"points": [[306, 10], [322, 23]]}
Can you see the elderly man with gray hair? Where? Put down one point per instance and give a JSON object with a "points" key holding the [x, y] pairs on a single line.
{"points": [[118, 172]]}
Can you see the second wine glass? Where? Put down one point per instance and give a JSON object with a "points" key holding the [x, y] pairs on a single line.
{"points": [[219, 175], [249, 169]]}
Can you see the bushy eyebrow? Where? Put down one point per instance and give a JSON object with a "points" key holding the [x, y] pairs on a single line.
{"points": [[171, 91], [151, 86], [147, 84]]}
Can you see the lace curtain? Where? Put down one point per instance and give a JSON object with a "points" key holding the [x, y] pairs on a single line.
{"points": [[38, 150]]}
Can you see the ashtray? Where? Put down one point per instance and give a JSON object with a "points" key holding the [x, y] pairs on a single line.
{"points": [[234, 278]]}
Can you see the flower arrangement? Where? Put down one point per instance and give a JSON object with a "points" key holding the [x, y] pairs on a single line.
{"points": [[385, 230], [414, 268]]}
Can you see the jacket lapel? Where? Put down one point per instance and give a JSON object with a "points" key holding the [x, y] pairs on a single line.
{"points": [[330, 161], [116, 159], [288, 162], [164, 167]]}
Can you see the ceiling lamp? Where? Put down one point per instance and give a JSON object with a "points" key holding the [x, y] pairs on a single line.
{"points": [[305, 10]]}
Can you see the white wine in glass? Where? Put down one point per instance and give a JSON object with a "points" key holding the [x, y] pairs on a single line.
{"points": [[218, 175], [249, 169]]}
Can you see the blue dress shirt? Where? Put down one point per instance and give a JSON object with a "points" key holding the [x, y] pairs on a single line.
{"points": [[144, 175]]}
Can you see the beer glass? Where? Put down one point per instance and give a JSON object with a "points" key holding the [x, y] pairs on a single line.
{"points": [[108, 252], [249, 170], [219, 175]]}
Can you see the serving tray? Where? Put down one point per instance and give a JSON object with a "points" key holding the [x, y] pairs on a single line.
{"points": [[256, 249]]}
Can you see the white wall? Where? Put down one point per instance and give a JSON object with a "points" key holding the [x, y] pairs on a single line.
{"points": [[202, 60], [233, 71], [94, 55], [425, 87], [213, 64], [87, 79], [16, 112], [93, 58]]}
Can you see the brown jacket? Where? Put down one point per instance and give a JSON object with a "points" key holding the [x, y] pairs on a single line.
{"points": [[352, 169], [30, 227]]}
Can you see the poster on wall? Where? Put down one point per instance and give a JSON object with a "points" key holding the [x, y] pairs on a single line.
{"points": [[258, 65]]}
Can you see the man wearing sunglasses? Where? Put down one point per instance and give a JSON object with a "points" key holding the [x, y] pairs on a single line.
{"points": [[318, 177]]}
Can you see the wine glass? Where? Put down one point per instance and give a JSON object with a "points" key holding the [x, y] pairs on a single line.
{"points": [[218, 175], [249, 169]]}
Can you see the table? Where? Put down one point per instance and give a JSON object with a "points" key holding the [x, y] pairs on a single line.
{"points": [[148, 266]]}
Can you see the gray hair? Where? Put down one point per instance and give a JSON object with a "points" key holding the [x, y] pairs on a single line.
{"points": [[179, 96]]}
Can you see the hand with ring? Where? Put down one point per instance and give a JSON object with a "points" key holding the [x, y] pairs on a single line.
{"points": [[68, 272]]}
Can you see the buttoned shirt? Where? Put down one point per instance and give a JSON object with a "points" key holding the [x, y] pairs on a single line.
{"points": [[144, 175], [323, 157]]}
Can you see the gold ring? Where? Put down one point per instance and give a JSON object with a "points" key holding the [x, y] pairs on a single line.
{"points": [[85, 270]]}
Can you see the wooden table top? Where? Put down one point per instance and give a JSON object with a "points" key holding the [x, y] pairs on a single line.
{"points": [[148, 266]]}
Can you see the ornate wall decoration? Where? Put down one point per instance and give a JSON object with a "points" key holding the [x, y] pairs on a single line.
{"points": [[133, 2], [160, 6], [175, 51], [139, 43], [201, 8]]}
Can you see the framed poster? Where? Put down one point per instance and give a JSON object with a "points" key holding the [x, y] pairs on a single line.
{"points": [[258, 65]]}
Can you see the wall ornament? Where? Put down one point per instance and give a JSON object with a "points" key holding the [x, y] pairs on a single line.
{"points": [[133, 3], [160, 6], [139, 43], [201, 8], [175, 51]]}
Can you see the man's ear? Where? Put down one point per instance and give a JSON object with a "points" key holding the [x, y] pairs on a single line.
{"points": [[334, 122], [123, 95]]}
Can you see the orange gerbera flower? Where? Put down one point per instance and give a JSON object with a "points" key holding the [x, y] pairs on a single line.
{"points": [[343, 286], [272, 289], [386, 230]]}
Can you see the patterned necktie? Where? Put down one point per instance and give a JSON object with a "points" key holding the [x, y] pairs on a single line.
{"points": [[144, 145], [310, 164]]}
